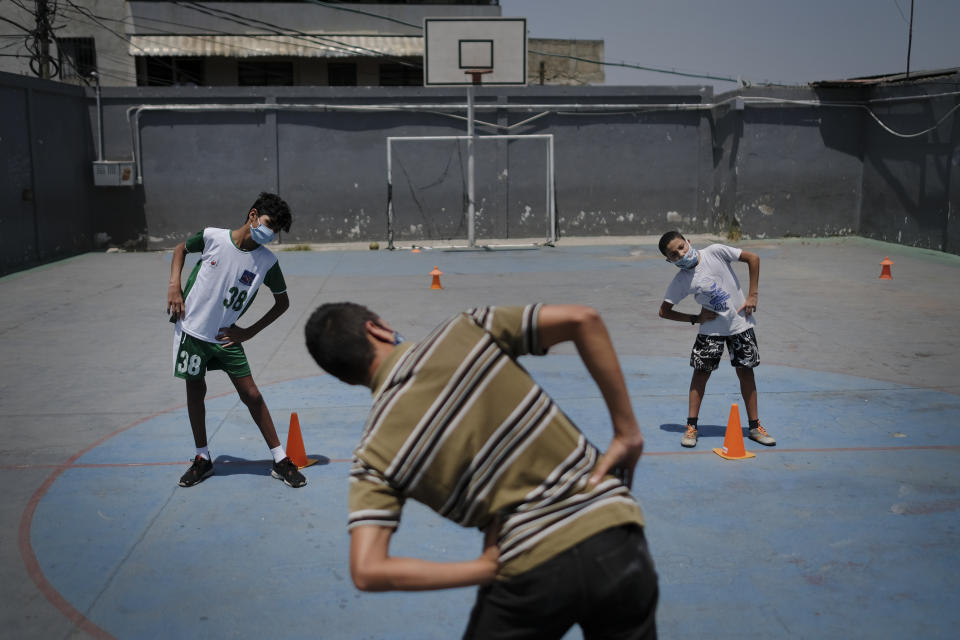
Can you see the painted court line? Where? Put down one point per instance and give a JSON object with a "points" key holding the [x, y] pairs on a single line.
{"points": [[121, 465]]}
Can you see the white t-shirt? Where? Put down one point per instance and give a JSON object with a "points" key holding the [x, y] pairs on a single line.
{"points": [[714, 285], [224, 283]]}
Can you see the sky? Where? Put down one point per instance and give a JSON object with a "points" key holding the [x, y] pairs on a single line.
{"points": [[780, 41]]}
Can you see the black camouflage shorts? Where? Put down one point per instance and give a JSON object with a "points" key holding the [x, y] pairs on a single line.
{"points": [[708, 350]]}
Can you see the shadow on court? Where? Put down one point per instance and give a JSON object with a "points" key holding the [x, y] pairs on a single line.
{"points": [[703, 430]]}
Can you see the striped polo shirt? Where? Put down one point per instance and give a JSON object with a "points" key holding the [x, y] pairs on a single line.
{"points": [[458, 425]]}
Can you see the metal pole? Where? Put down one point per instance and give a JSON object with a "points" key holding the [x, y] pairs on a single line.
{"points": [[43, 35], [96, 76], [471, 206], [389, 198], [551, 191], [910, 39]]}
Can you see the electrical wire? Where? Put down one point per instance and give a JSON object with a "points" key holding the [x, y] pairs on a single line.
{"points": [[86, 13], [551, 55]]}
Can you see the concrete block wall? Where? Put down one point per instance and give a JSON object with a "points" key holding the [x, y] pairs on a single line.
{"points": [[779, 166]]}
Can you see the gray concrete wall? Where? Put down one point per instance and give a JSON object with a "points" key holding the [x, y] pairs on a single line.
{"points": [[617, 173], [912, 185], [45, 189], [777, 167], [797, 169]]}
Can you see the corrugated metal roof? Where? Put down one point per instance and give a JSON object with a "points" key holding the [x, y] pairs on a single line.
{"points": [[888, 78], [252, 46]]}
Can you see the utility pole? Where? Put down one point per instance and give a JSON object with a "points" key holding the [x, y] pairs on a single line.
{"points": [[43, 36], [910, 39]]}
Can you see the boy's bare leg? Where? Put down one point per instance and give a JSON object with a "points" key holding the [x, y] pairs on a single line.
{"points": [[197, 411], [250, 396], [698, 385], [748, 389]]}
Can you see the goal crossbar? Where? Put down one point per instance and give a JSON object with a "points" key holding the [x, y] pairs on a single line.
{"points": [[551, 235]]}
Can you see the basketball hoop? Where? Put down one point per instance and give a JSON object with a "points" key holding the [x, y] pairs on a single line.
{"points": [[477, 74]]}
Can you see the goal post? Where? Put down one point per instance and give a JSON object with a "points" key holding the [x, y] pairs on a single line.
{"points": [[549, 229]]}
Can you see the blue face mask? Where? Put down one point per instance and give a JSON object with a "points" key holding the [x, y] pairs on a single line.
{"points": [[689, 260], [261, 234], [397, 338]]}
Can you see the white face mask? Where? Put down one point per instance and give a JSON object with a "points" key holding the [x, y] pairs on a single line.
{"points": [[261, 234], [688, 260]]}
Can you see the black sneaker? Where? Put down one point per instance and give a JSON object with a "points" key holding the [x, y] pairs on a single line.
{"points": [[287, 471], [200, 470]]}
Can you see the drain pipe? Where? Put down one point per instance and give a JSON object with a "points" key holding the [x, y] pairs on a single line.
{"points": [[96, 76]]}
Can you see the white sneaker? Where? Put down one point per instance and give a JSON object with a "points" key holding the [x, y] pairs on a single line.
{"points": [[690, 437], [760, 435]]}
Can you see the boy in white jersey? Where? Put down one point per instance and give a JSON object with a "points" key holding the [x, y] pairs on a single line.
{"points": [[725, 318], [232, 266]]}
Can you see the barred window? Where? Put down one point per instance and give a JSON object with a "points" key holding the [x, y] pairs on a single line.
{"points": [[78, 57], [166, 71]]}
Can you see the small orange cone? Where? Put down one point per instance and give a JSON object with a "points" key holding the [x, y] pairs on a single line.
{"points": [[885, 269], [295, 450], [733, 440], [436, 273]]}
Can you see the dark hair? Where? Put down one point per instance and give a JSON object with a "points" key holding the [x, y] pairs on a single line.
{"points": [[337, 339], [667, 238], [270, 204]]}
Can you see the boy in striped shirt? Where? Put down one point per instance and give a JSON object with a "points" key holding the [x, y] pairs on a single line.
{"points": [[458, 425]]}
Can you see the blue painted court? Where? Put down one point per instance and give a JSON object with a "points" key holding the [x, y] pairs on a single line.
{"points": [[847, 529]]}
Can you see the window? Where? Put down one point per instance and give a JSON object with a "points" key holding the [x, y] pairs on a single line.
{"points": [[264, 73], [342, 74], [399, 75], [78, 57], [164, 71]]}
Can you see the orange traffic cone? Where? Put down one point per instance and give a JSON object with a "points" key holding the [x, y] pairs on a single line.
{"points": [[885, 269], [436, 273], [295, 450], [733, 440]]}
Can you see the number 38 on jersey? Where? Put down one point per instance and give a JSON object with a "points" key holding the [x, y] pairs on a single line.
{"points": [[236, 299]]}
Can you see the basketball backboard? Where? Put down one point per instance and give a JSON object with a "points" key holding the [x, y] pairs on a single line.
{"points": [[455, 46]]}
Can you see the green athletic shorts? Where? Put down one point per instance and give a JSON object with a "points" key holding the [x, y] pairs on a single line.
{"points": [[192, 358]]}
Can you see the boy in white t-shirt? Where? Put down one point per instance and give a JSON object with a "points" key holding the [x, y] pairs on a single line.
{"points": [[232, 266], [725, 318]]}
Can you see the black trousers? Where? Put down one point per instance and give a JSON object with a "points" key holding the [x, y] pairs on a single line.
{"points": [[607, 584]]}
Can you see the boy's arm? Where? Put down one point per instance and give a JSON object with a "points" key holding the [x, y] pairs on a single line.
{"points": [[174, 294], [666, 311], [585, 328], [373, 569], [281, 302], [753, 262]]}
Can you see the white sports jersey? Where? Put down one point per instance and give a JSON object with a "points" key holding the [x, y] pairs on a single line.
{"points": [[224, 283], [714, 285]]}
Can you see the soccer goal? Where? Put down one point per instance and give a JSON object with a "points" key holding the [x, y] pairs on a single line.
{"points": [[428, 196]]}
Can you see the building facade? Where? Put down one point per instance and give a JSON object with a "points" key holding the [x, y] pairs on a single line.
{"points": [[251, 43]]}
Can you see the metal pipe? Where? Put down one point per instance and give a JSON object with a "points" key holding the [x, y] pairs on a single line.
{"points": [[96, 76], [133, 113], [471, 205], [389, 197]]}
